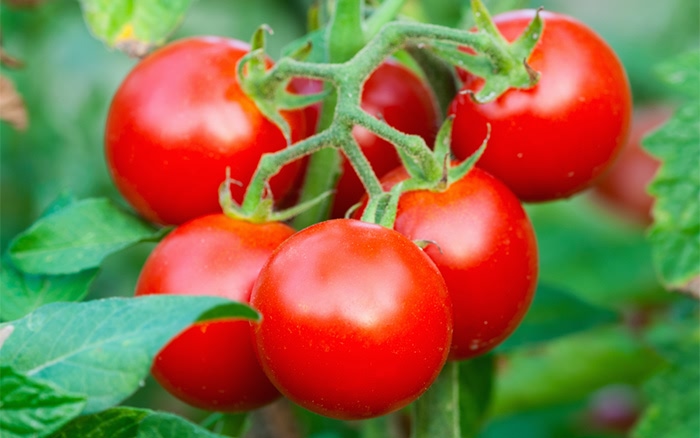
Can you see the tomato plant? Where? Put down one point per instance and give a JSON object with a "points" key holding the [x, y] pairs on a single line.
{"points": [[557, 138], [403, 100], [212, 364], [344, 319], [178, 121], [484, 245], [361, 328], [398, 96]]}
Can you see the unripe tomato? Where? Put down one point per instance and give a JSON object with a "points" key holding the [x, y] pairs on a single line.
{"points": [[212, 364], [357, 320], [176, 123], [555, 139]]}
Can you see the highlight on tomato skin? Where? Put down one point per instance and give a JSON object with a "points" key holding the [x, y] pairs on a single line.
{"points": [[357, 321], [212, 365], [623, 188], [179, 120], [554, 140], [485, 247]]}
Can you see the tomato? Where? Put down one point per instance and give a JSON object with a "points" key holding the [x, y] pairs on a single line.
{"points": [[356, 319], [212, 365], [485, 248], [623, 187], [396, 95], [555, 139], [178, 121]]}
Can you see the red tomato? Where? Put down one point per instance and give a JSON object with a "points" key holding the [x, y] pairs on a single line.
{"points": [[212, 365], [485, 249], [553, 140], [623, 187], [178, 120], [396, 95], [357, 320]]}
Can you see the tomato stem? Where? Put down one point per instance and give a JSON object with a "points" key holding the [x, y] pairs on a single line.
{"points": [[350, 66]]}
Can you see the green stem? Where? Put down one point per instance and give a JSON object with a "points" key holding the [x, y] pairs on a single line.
{"points": [[361, 165], [345, 33], [412, 145], [270, 164], [436, 413], [339, 117], [386, 12]]}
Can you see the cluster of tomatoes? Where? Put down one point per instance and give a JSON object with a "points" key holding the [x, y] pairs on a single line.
{"points": [[357, 319]]}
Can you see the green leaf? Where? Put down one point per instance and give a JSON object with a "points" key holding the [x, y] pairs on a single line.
{"points": [[133, 26], [674, 406], [554, 313], [23, 293], [33, 408], [126, 422], [476, 380], [77, 237], [675, 235], [602, 262], [103, 348], [569, 368], [442, 12]]}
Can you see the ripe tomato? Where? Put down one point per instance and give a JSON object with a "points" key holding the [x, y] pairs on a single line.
{"points": [[178, 120], [212, 365], [555, 139], [623, 187], [357, 320], [485, 249], [396, 95]]}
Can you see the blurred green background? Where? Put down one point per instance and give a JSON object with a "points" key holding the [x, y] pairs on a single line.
{"points": [[69, 77]]}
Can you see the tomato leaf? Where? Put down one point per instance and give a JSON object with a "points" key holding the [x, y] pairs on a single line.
{"points": [[675, 234], [569, 368], [476, 379], [104, 348], [674, 406], [23, 293], [599, 260], [554, 313], [126, 422], [133, 26], [77, 237], [32, 407]]}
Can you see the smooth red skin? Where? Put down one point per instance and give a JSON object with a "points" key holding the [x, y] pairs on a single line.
{"points": [[178, 120], [555, 139], [624, 186], [357, 320], [212, 365], [485, 248]]}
